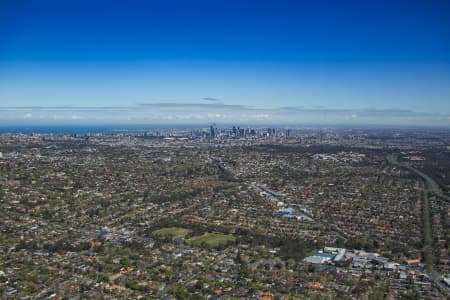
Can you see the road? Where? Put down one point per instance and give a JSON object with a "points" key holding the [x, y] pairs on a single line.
{"points": [[434, 189], [437, 279]]}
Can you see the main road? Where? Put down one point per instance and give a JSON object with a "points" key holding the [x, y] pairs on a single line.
{"points": [[434, 189]]}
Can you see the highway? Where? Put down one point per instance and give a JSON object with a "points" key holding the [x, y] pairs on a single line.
{"points": [[434, 189]]}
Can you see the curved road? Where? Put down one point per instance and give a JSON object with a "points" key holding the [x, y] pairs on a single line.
{"points": [[434, 189]]}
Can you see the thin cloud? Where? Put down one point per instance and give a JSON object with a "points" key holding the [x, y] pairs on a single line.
{"points": [[210, 112], [211, 99], [200, 107]]}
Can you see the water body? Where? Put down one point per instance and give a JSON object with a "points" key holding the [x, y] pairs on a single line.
{"points": [[85, 129]]}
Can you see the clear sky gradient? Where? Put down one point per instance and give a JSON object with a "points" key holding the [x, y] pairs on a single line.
{"points": [[293, 62]]}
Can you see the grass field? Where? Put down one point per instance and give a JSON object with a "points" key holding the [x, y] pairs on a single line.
{"points": [[175, 232], [211, 239]]}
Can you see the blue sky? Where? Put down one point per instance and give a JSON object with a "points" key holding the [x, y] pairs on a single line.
{"points": [[293, 62]]}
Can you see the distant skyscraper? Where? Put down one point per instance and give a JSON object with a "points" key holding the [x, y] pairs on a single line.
{"points": [[241, 131]]}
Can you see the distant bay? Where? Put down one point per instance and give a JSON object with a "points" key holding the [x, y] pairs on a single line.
{"points": [[85, 129]]}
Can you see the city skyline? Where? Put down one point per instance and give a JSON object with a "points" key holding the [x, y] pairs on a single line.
{"points": [[287, 63]]}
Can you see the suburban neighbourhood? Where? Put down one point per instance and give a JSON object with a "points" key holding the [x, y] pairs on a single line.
{"points": [[224, 213]]}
